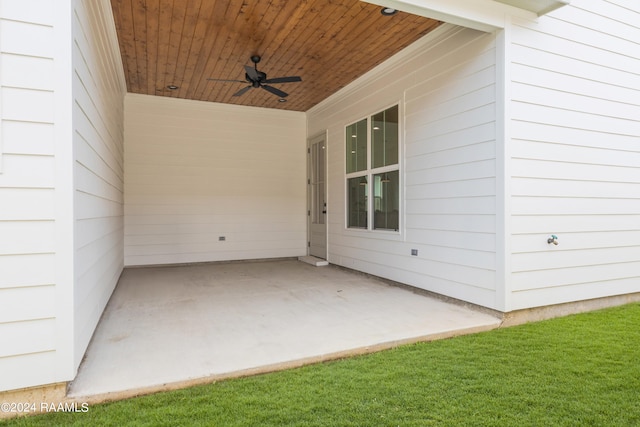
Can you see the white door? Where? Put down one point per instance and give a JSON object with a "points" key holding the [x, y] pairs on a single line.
{"points": [[316, 196]]}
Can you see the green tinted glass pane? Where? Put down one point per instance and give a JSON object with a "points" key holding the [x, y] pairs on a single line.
{"points": [[356, 137], [386, 200], [357, 203], [384, 138]]}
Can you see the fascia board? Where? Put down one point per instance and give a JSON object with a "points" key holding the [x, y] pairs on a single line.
{"points": [[483, 15]]}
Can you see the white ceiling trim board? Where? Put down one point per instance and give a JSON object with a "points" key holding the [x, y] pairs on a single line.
{"points": [[483, 15]]}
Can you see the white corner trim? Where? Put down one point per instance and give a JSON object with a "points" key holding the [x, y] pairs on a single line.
{"points": [[504, 286], [64, 191], [483, 15]]}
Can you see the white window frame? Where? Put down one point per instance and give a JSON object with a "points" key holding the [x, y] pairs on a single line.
{"points": [[369, 173]]}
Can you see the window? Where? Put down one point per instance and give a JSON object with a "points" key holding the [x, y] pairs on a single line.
{"points": [[372, 172], [357, 146]]}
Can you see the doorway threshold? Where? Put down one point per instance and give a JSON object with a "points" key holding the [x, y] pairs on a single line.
{"points": [[318, 262]]}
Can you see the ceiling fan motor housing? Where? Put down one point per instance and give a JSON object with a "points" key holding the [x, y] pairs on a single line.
{"points": [[256, 83], [258, 79]]}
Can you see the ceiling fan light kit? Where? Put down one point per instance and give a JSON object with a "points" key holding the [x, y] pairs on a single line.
{"points": [[258, 79]]}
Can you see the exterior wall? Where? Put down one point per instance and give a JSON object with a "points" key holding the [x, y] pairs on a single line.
{"points": [[446, 86], [98, 122], [574, 153], [196, 171], [62, 91], [34, 331]]}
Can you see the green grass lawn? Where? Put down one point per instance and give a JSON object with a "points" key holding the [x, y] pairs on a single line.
{"points": [[581, 370]]}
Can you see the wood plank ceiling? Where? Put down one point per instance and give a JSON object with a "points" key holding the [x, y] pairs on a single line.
{"points": [[328, 43]]}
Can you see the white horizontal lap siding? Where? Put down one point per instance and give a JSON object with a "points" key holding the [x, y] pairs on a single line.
{"points": [[27, 196], [98, 137], [451, 171], [576, 153], [197, 171], [446, 86]]}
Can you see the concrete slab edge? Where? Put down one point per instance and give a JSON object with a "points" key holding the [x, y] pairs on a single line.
{"points": [[502, 320], [56, 393], [50, 394], [127, 394]]}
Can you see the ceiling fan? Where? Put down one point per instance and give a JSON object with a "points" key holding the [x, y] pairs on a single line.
{"points": [[259, 79]]}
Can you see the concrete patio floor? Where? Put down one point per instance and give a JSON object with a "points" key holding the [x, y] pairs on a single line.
{"points": [[167, 327]]}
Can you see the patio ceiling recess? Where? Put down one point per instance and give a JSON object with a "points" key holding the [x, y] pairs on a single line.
{"points": [[171, 47], [327, 43]]}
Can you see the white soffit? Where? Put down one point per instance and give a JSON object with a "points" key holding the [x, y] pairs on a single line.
{"points": [[539, 7], [483, 15]]}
